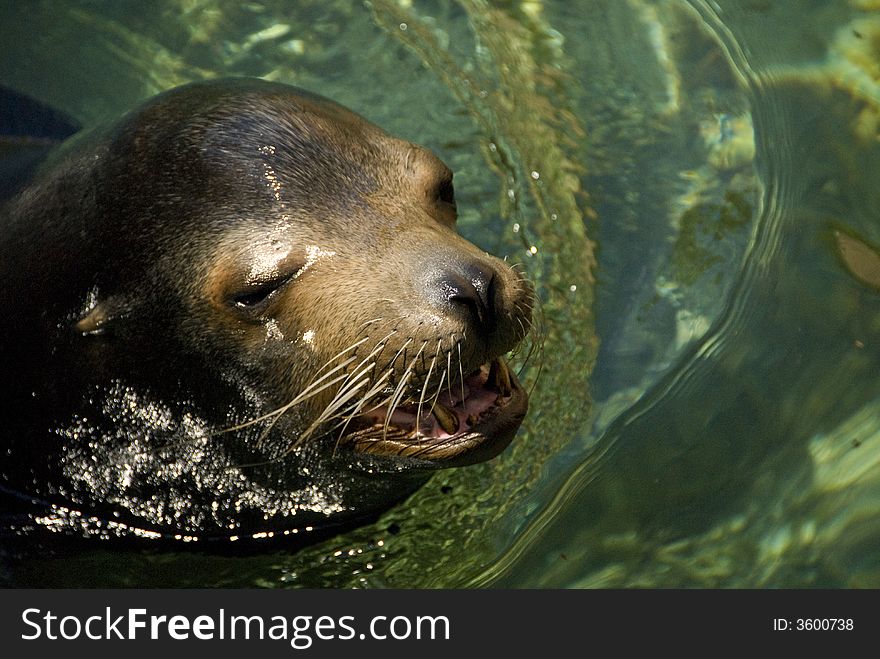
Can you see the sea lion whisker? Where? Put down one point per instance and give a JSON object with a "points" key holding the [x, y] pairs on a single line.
{"points": [[442, 378], [402, 350], [310, 390], [370, 322], [520, 308], [359, 371], [435, 399], [408, 373], [424, 389], [525, 332], [342, 352], [379, 384], [358, 407], [460, 370], [369, 395], [304, 395], [328, 412], [275, 414], [398, 395], [380, 346], [379, 403], [250, 422], [449, 370], [535, 347], [352, 382], [300, 399]]}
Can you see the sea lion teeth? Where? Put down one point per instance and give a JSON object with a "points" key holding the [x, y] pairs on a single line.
{"points": [[499, 377], [493, 374], [447, 419]]}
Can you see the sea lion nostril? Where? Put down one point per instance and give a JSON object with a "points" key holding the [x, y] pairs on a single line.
{"points": [[472, 289]]}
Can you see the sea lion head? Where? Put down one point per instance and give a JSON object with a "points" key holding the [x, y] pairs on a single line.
{"points": [[262, 315]]}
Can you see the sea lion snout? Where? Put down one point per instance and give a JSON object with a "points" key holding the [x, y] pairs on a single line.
{"points": [[485, 297], [469, 290]]}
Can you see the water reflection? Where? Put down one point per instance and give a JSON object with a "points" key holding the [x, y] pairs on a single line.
{"points": [[751, 464]]}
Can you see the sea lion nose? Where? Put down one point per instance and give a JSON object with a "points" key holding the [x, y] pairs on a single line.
{"points": [[470, 289]]}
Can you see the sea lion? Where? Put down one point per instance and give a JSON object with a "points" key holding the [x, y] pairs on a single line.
{"points": [[244, 310]]}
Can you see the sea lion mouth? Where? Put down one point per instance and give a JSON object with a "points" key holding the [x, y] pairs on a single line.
{"points": [[467, 423]]}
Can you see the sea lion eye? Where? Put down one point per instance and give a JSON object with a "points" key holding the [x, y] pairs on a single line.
{"points": [[256, 297], [446, 192]]}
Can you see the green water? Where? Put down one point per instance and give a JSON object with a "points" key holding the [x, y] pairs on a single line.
{"points": [[692, 187]]}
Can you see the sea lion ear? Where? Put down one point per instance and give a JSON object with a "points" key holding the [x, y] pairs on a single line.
{"points": [[97, 317]]}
